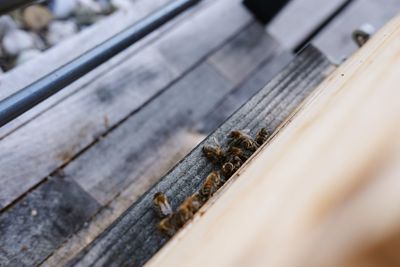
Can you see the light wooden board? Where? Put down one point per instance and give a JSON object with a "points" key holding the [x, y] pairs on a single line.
{"points": [[58, 135], [324, 191], [134, 237]]}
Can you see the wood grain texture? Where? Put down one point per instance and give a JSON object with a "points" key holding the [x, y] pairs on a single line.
{"points": [[133, 238], [164, 158], [244, 91], [324, 191], [108, 100], [123, 155], [50, 141], [41, 221]]}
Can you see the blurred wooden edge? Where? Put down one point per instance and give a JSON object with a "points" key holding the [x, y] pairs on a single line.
{"points": [[325, 191]]}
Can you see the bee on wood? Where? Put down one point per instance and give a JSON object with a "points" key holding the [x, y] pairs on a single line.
{"points": [[182, 215], [262, 136], [244, 140], [167, 226], [186, 211], [214, 153], [210, 185], [234, 151], [228, 169], [194, 203], [161, 205]]}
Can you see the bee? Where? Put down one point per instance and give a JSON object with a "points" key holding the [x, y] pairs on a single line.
{"points": [[210, 185], [244, 140], [262, 136], [234, 151], [182, 215], [214, 153], [231, 166], [228, 169], [194, 203], [161, 205], [167, 226]]}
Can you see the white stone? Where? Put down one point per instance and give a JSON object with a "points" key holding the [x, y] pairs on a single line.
{"points": [[91, 5], [63, 8], [124, 5], [6, 24], [16, 41], [60, 30], [27, 55], [38, 42]]}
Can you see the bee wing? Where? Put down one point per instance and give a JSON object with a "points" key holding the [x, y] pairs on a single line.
{"points": [[216, 141], [166, 209]]}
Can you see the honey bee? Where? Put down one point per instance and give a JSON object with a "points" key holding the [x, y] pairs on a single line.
{"points": [[231, 166], [182, 215], [161, 205], [214, 153], [166, 226], [210, 185], [244, 140], [234, 151], [194, 203], [186, 211], [262, 136], [228, 169]]}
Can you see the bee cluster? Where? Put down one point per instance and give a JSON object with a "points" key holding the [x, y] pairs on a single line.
{"points": [[228, 160]]}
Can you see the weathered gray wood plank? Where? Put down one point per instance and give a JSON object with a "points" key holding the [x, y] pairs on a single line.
{"points": [[51, 140], [33, 152], [300, 18], [41, 221], [115, 161], [227, 106], [133, 238], [164, 158], [244, 53], [336, 42], [203, 33]]}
